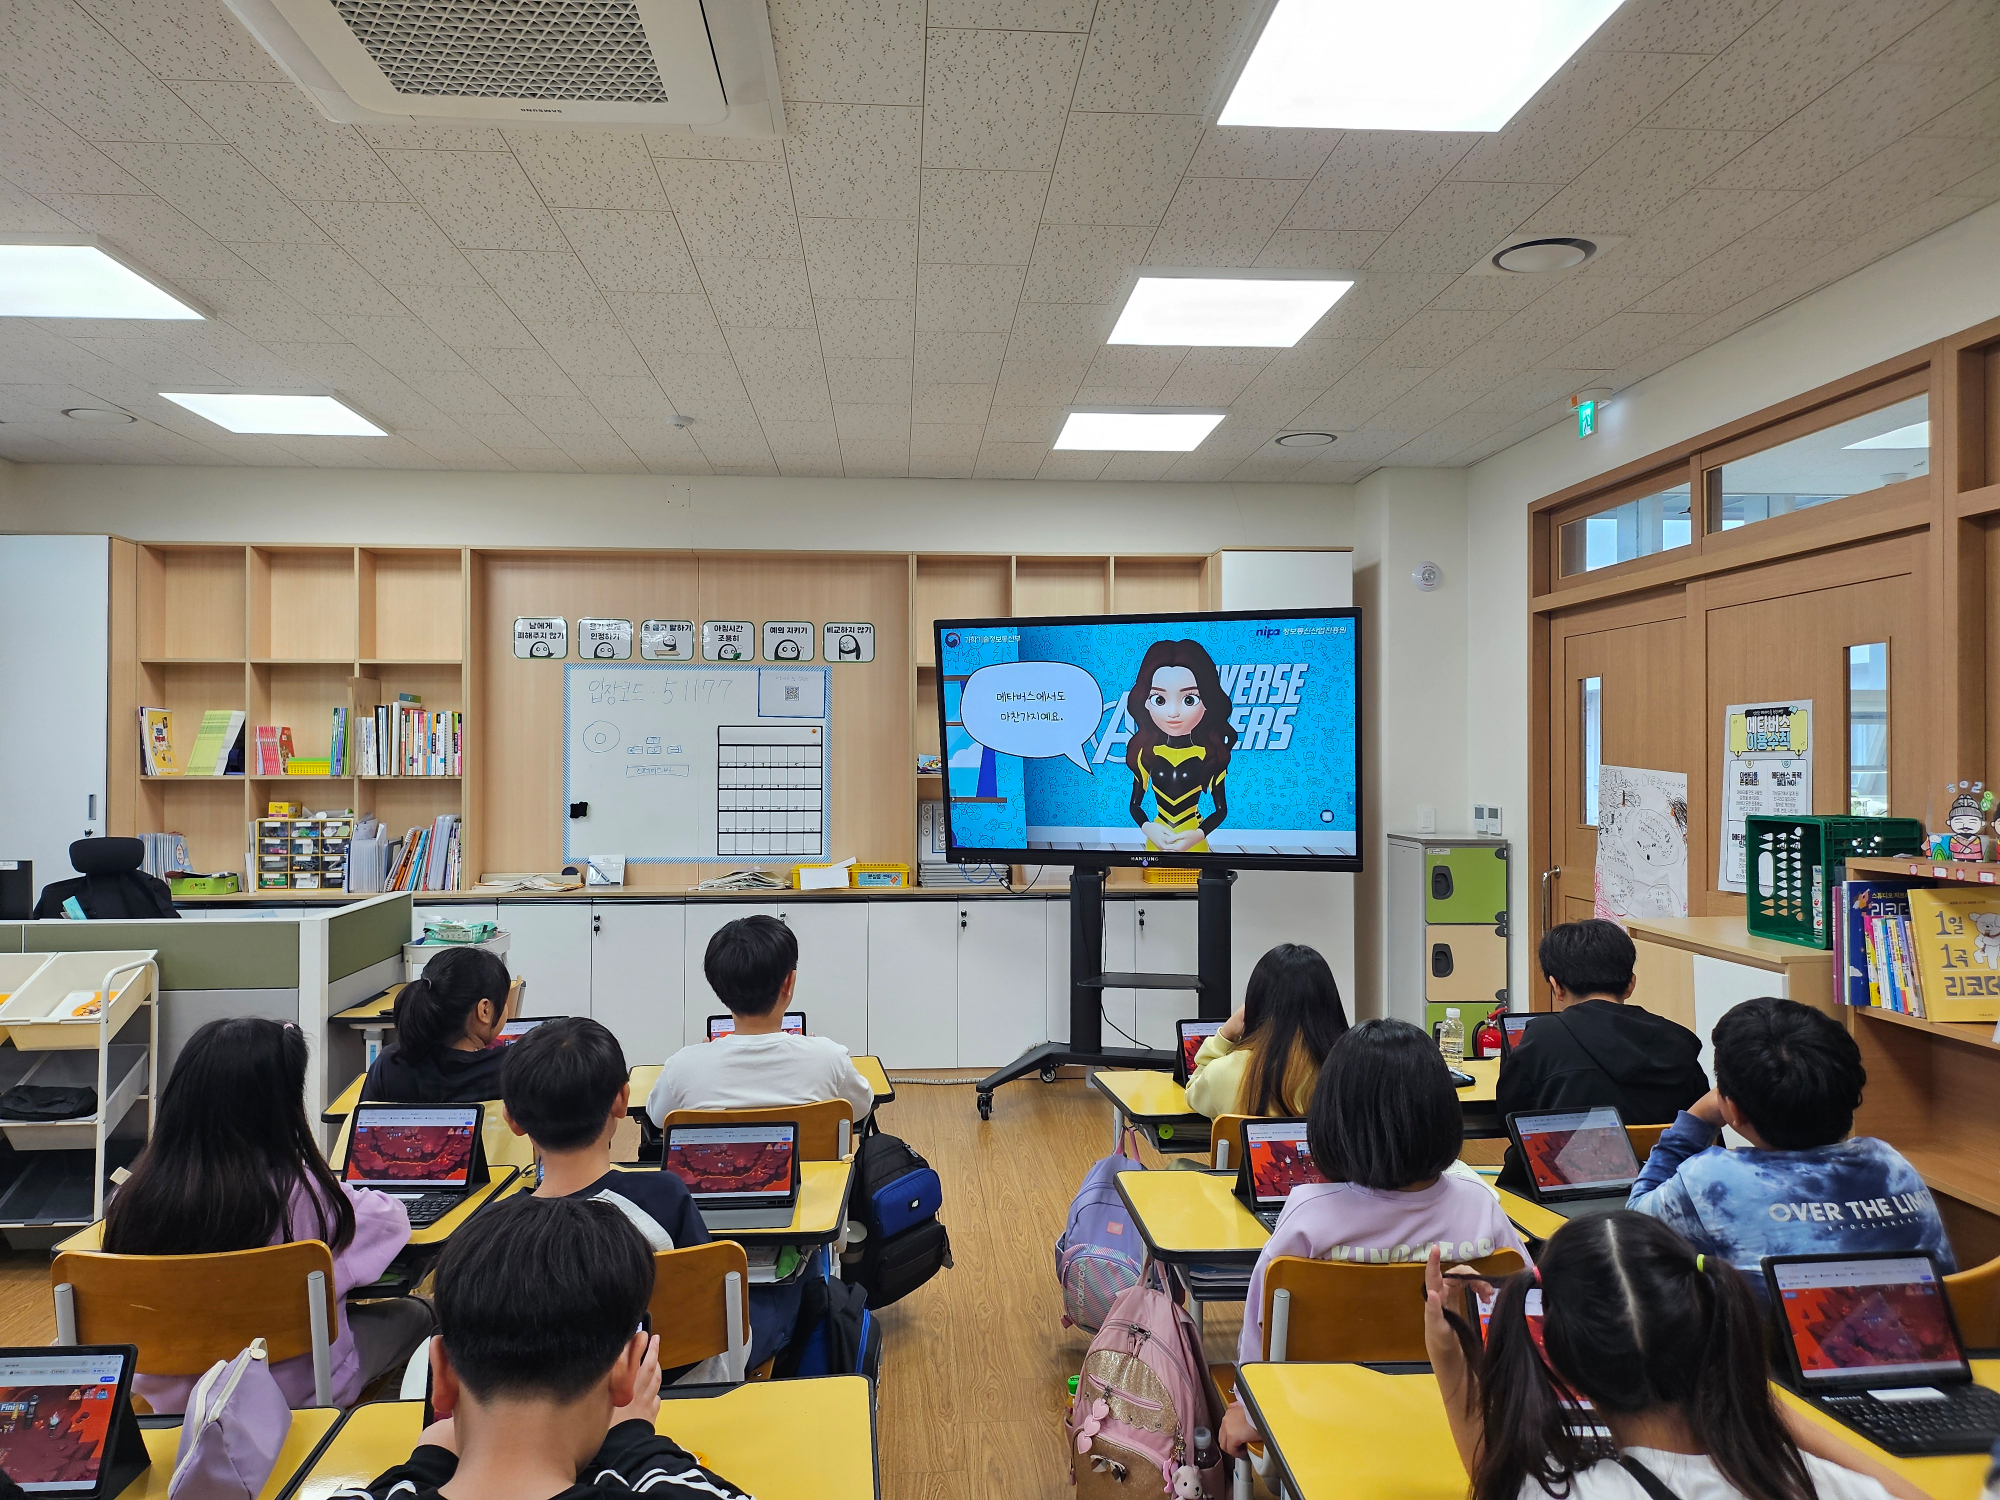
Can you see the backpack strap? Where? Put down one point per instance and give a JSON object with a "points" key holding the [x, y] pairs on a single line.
{"points": [[1646, 1479]]}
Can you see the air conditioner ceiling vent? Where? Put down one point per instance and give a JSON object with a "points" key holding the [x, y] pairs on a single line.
{"points": [[526, 49]]}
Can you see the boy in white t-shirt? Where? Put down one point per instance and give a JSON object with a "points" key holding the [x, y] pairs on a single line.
{"points": [[752, 964]]}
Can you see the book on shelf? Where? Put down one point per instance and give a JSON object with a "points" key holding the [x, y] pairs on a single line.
{"points": [[337, 761], [405, 739], [165, 853], [218, 744], [1954, 942], [1857, 954], [156, 743], [274, 749], [429, 859]]}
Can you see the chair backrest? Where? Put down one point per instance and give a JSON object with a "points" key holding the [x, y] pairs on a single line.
{"points": [[692, 1305], [1975, 1301], [185, 1312], [826, 1129], [1644, 1138], [503, 1147], [1339, 1311], [1225, 1142]]}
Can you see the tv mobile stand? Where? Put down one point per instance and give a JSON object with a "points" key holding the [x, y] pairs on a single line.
{"points": [[1087, 984]]}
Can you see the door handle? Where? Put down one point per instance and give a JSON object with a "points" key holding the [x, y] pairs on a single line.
{"points": [[1547, 875]]}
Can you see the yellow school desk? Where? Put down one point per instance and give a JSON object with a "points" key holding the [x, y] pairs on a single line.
{"points": [[1154, 1104], [1529, 1216], [644, 1075], [310, 1429], [1485, 1080], [773, 1438], [1351, 1431], [343, 1104], [1192, 1216], [1954, 1476]]}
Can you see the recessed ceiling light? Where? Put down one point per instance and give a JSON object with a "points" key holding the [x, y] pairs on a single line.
{"points": [[1535, 257], [289, 416], [1363, 65], [1138, 431], [41, 277], [1304, 439], [1225, 309], [1916, 435], [102, 415]]}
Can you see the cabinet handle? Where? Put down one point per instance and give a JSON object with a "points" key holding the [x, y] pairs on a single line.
{"points": [[1142, 917], [961, 919], [596, 922]]}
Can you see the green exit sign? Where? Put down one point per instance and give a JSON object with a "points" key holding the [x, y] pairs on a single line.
{"points": [[1586, 418]]}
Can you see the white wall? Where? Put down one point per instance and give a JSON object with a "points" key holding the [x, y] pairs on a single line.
{"points": [[1945, 282]]}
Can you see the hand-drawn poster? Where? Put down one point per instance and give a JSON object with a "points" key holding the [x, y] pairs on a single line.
{"points": [[1766, 773], [1642, 864]]}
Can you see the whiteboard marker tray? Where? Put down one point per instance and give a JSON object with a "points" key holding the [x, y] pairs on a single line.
{"points": [[74, 1068], [36, 1016]]}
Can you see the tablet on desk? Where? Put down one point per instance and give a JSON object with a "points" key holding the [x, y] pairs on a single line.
{"points": [[1192, 1034], [1276, 1159], [66, 1424], [725, 1024], [1580, 1161], [741, 1176], [429, 1156]]}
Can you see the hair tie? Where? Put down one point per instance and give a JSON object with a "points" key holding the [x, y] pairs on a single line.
{"points": [[1535, 1272], [1701, 1263]]}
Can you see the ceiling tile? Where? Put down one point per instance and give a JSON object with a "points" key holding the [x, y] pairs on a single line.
{"points": [[685, 145], [401, 344], [983, 218], [885, 421], [1867, 110], [965, 405], [663, 324], [482, 199], [466, 317], [588, 169], [802, 466], [870, 258], [1222, 222], [1457, 224], [1894, 179], [1119, 169], [1013, 15], [707, 386], [1978, 115], [458, 450], [280, 133], [759, 293], [153, 360], [629, 252], [45, 156], [1246, 151], [853, 161], [594, 351], [1009, 460], [959, 358], [1374, 179], [1319, 249], [1359, 395], [464, 393], [1072, 466], [1621, 338], [1593, 99], [728, 209], [801, 439], [996, 100], [1695, 227], [1213, 377], [1436, 338], [69, 65], [1083, 263], [1039, 382], [1476, 293], [948, 439], [425, 136], [1058, 330], [1724, 278], [394, 242], [261, 311], [22, 213], [850, 51], [864, 328], [567, 415], [323, 277], [218, 190], [185, 39], [1638, 179], [967, 299], [1133, 367], [519, 373], [1161, 56], [544, 288], [1678, 25], [869, 380], [1380, 303], [1295, 377], [886, 458], [1024, 424]]}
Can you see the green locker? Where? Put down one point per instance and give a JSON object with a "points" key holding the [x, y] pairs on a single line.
{"points": [[1465, 883]]}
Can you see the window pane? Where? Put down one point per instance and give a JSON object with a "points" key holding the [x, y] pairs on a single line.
{"points": [[1638, 528], [1849, 458], [1593, 745], [1868, 730]]}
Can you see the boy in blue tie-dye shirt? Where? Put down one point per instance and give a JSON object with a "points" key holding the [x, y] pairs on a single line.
{"points": [[1787, 1079]]}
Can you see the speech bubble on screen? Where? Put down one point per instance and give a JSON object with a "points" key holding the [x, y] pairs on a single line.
{"points": [[1033, 709]]}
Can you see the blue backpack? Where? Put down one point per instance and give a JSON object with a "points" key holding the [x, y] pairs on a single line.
{"points": [[897, 1196]]}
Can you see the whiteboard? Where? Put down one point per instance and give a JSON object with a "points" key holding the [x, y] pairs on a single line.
{"points": [[695, 764]]}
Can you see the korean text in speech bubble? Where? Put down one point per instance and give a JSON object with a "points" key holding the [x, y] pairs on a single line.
{"points": [[1033, 709]]}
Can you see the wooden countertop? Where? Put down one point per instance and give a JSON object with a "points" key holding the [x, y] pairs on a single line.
{"points": [[1726, 938]]}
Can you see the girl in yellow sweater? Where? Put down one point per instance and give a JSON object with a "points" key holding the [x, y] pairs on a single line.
{"points": [[1266, 1057]]}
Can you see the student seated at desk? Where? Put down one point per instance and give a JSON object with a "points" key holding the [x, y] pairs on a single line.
{"points": [[1384, 1129], [1787, 1079], [446, 1022], [233, 1165], [752, 964], [1265, 1058], [1668, 1347], [1593, 1047], [544, 1380]]}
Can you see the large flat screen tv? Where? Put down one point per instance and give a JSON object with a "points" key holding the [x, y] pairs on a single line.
{"points": [[1229, 740]]}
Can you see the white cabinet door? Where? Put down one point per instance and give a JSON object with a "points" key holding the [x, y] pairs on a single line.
{"points": [[913, 982], [1002, 981], [456, 911], [1121, 955], [833, 968], [549, 946], [636, 983], [1167, 944]]}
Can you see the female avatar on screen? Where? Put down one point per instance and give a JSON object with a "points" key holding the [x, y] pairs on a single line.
{"points": [[1179, 747]]}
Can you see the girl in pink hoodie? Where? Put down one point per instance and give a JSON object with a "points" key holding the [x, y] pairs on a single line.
{"points": [[233, 1165]]}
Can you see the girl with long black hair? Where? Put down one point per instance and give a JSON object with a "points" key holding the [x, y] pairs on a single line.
{"points": [[446, 1022], [233, 1165], [1668, 1348], [1266, 1057]]}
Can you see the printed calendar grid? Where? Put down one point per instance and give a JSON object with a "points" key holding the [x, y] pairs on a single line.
{"points": [[770, 791]]}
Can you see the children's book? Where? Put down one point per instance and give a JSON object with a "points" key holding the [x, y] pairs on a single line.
{"points": [[1955, 933], [216, 743], [1855, 958], [156, 742]]}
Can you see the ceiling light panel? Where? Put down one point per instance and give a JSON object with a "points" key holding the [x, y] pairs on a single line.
{"points": [[1363, 65], [288, 416], [1137, 431], [1916, 435], [43, 280], [1228, 309]]}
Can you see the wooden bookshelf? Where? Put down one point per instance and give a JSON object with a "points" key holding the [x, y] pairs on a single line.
{"points": [[1909, 865]]}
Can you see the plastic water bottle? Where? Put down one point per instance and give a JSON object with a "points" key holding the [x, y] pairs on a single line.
{"points": [[1206, 1455], [1451, 1040]]}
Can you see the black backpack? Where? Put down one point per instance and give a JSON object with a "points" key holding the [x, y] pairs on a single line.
{"points": [[896, 1200]]}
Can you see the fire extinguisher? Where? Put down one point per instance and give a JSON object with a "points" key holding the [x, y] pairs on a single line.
{"points": [[1486, 1043]]}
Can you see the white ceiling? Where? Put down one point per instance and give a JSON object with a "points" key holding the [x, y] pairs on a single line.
{"points": [[919, 278]]}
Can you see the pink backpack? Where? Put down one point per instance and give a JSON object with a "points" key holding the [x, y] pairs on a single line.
{"points": [[1143, 1391]]}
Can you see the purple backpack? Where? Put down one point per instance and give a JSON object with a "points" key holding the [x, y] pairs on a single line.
{"points": [[1099, 1255]]}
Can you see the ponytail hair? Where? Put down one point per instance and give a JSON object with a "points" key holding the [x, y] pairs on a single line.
{"points": [[1632, 1320], [431, 1011]]}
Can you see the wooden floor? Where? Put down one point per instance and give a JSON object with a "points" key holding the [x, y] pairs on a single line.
{"points": [[974, 1364]]}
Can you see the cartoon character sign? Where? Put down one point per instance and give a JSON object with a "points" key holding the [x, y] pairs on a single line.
{"points": [[1179, 747], [1970, 805]]}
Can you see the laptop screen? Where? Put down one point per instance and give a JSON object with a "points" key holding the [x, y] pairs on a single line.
{"points": [[413, 1145], [1885, 1319], [1193, 1034], [55, 1417], [1516, 1027], [722, 1164], [725, 1025], [1279, 1159], [1577, 1150]]}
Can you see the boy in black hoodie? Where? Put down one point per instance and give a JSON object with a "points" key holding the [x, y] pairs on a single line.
{"points": [[1593, 1048], [544, 1383]]}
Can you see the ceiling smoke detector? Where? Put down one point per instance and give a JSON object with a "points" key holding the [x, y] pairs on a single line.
{"points": [[101, 416], [1304, 439], [639, 64], [1538, 257]]}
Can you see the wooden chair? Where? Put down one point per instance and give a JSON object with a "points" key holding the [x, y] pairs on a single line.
{"points": [[826, 1129], [1225, 1142], [503, 1147], [701, 1305], [1644, 1138], [169, 1306], [1975, 1301]]}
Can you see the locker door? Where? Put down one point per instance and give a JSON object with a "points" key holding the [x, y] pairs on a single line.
{"points": [[1465, 966]]}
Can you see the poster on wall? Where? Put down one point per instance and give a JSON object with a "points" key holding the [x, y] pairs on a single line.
{"points": [[1642, 856], [1766, 773]]}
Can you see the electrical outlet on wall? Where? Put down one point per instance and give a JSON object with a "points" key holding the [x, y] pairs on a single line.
{"points": [[1427, 818]]}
